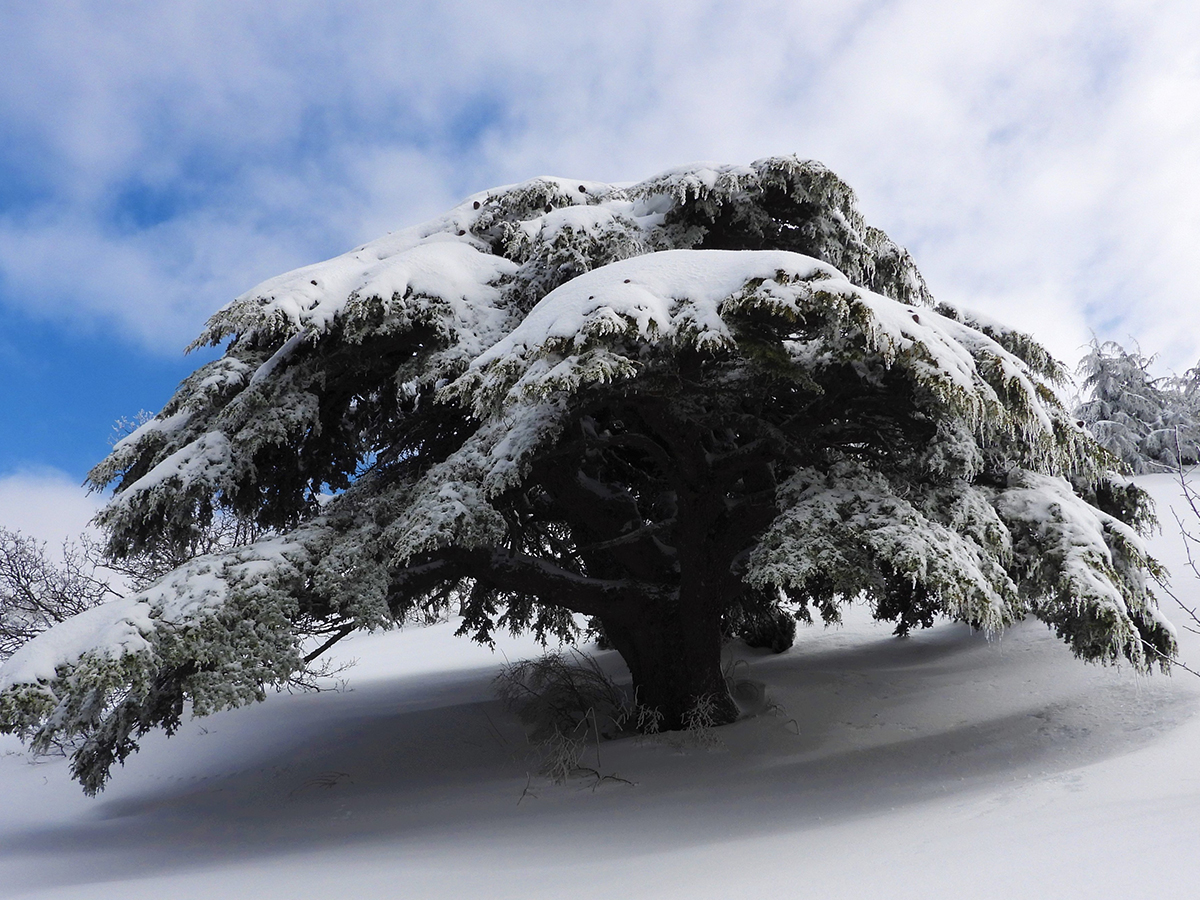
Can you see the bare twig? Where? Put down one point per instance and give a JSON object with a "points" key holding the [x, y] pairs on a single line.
{"points": [[528, 791], [1192, 499], [1171, 661]]}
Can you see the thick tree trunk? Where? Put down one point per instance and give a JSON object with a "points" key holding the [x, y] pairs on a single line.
{"points": [[674, 656], [658, 549]]}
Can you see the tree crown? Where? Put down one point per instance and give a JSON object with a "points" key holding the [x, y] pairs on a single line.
{"points": [[672, 407]]}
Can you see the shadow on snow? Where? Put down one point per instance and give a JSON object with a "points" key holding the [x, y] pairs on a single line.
{"points": [[861, 725]]}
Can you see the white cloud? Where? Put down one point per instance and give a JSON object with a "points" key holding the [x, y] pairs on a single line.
{"points": [[45, 504], [1038, 159]]}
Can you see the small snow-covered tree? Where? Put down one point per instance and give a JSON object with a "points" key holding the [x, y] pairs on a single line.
{"points": [[1150, 424], [1183, 396], [668, 407]]}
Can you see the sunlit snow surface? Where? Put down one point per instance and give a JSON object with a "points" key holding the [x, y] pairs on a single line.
{"points": [[938, 766]]}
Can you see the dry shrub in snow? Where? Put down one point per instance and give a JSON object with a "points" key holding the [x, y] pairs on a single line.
{"points": [[559, 693]]}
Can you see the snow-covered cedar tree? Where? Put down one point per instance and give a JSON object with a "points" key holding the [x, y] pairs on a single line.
{"points": [[668, 407], [1150, 424]]}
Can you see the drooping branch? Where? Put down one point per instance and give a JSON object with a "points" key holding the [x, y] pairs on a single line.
{"points": [[747, 456], [632, 537], [521, 573], [666, 462], [344, 631]]}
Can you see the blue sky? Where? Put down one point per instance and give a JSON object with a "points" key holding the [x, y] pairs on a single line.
{"points": [[157, 159]]}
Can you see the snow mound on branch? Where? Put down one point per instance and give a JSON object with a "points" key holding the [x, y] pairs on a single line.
{"points": [[407, 264], [112, 629], [1090, 564], [662, 294], [182, 601], [459, 255], [688, 296]]}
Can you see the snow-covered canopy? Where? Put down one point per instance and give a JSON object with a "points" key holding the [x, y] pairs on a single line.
{"points": [[391, 421]]}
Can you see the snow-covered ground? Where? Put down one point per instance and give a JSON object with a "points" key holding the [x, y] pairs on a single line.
{"points": [[942, 765]]}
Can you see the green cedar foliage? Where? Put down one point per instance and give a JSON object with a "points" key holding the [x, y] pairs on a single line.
{"points": [[678, 408]]}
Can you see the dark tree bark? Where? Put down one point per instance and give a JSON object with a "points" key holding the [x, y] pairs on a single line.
{"points": [[716, 494], [673, 650], [640, 518]]}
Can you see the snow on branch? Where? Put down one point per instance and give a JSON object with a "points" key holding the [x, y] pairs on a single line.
{"points": [[673, 405]]}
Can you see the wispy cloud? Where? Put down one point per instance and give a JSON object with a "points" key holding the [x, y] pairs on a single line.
{"points": [[45, 504], [1038, 159]]}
